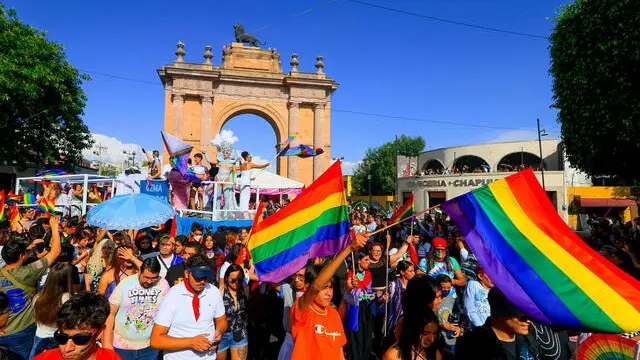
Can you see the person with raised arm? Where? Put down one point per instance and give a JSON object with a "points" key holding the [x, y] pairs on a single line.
{"points": [[317, 327]]}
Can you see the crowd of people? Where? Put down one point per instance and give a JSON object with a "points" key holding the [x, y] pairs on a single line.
{"points": [[72, 291]]}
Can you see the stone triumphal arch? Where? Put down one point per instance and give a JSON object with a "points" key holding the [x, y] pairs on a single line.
{"points": [[201, 97]]}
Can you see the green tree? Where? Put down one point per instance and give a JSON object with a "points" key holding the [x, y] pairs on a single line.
{"points": [[380, 163], [595, 63], [41, 101]]}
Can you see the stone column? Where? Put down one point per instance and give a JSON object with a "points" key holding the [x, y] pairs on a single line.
{"points": [[318, 139], [293, 172], [205, 122], [177, 105]]}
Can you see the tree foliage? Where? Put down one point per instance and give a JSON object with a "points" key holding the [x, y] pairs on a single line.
{"points": [[380, 162], [41, 101], [595, 63]]}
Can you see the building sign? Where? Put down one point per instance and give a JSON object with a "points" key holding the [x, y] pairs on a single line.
{"points": [[159, 189], [441, 183]]}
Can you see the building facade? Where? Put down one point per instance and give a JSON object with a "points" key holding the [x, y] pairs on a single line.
{"points": [[442, 174]]}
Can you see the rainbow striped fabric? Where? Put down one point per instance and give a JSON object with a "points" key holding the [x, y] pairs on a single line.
{"points": [[539, 263], [13, 198], [28, 199], [51, 172], [607, 347], [2, 205], [14, 215], [45, 206], [404, 211], [315, 223]]}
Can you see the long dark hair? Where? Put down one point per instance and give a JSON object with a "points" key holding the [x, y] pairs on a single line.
{"points": [[59, 281], [231, 269], [411, 331], [420, 292]]}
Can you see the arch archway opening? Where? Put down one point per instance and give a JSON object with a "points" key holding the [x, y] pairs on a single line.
{"points": [[253, 133], [432, 167], [470, 164], [519, 161]]}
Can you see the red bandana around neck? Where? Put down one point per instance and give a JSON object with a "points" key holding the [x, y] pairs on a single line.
{"points": [[195, 303]]}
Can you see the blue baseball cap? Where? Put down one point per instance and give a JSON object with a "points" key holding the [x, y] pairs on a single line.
{"points": [[200, 272]]}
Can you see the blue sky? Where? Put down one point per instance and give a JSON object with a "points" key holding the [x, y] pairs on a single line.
{"points": [[386, 63]]}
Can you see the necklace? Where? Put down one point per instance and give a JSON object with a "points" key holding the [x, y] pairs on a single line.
{"points": [[317, 312], [418, 353]]}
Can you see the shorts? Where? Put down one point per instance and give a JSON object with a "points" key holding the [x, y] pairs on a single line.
{"points": [[196, 185], [227, 342]]}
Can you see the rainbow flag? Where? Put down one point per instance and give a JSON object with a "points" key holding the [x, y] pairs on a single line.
{"points": [[539, 263], [45, 206], [13, 198], [51, 172], [315, 223], [14, 215], [404, 211], [28, 199], [607, 346], [96, 193], [2, 205]]}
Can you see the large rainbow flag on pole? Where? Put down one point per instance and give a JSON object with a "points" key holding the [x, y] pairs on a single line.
{"points": [[539, 263], [315, 223]]}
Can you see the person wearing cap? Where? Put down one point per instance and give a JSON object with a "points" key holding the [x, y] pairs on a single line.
{"points": [[438, 262], [186, 332], [504, 336]]}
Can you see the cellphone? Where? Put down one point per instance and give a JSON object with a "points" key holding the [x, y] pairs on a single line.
{"points": [[40, 247]]}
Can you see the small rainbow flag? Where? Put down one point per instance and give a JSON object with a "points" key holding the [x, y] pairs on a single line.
{"points": [[405, 211], [28, 198], [51, 172], [46, 206], [14, 215], [13, 198], [315, 223], [2, 205], [539, 263]]}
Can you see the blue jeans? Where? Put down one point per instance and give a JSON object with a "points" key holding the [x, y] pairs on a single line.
{"points": [[41, 345], [227, 342], [20, 342], [147, 353]]}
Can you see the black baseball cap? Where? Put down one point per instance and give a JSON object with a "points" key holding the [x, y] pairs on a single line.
{"points": [[501, 307]]}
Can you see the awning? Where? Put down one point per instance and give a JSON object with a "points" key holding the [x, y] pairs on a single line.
{"points": [[587, 202]]}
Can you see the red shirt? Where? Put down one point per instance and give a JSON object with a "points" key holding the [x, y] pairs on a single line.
{"points": [[101, 354]]}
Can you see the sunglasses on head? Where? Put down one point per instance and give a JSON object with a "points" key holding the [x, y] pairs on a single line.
{"points": [[78, 339]]}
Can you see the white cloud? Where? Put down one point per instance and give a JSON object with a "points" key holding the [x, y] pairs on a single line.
{"points": [[114, 150], [515, 135], [225, 136], [348, 167]]}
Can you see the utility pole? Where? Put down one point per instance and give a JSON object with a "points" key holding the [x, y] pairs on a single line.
{"points": [[541, 133], [369, 178], [99, 149]]}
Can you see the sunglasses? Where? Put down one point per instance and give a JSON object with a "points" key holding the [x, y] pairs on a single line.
{"points": [[522, 318], [78, 339], [234, 281]]}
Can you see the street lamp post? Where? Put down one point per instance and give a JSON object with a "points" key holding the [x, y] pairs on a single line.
{"points": [[541, 133]]}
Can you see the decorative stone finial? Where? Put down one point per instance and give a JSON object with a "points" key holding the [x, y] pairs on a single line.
{"points": [[180, 52], [294, 62], [208, 55], [320, 65]]}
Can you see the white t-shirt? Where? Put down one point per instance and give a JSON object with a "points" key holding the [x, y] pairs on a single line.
{"points": [[223, 270], [176, 313], [46, 331]]}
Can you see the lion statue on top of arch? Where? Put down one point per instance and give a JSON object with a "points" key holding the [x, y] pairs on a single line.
{"points": [[245, 38]]}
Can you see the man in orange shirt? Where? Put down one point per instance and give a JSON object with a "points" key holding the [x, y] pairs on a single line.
{"points": [[316, 325]]}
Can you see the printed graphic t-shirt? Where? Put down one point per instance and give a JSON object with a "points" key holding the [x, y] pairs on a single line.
{"points": [[317, 334], [19, 284], [137, 308]]}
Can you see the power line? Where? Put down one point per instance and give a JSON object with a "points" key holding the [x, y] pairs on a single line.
{"points": [[346, 111], [429, 120], [304, 12], [453, 22]]}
